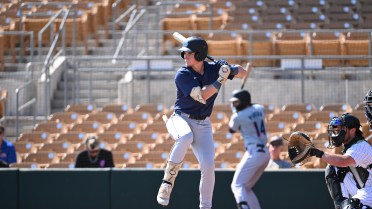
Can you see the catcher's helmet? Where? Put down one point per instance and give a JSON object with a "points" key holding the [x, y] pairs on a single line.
{"points": [[368, 108], [337, 129], [240, 99], [197, 45]]}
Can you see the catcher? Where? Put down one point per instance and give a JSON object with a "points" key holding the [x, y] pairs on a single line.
{"points": [[348, 175]]}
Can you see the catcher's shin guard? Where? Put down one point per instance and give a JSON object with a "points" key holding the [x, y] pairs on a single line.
{"points": [[166, 187], [334, 186], [243, 205], [351, 203]]}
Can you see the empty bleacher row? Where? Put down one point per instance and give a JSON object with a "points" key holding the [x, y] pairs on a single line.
{"points": [[138, 137], [18, 15], [236, 24]]}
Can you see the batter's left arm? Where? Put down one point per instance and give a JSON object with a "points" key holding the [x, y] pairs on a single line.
{"points": [[241, 72]]}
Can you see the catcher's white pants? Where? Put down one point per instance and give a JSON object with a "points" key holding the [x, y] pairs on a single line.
{"points": [[350, 189], [247, 173], [200, 137]]}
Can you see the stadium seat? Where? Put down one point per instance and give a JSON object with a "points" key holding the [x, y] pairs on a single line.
{"points": [[222, 108], [327, 44], [225, 165], [35, 24], [122, 158], [261, 45], [66, 117], [118, 109], [158, 127], [311, 127], [139, 117], [237, 147], [51, 127], [271, 109], [81, 108], [220, 117], [166, 146], [42, 158], [125, 127], [36, 137], [224, 137], [336, 107], [303, 108], [74, 137], [321, 116], [69, 157], [59, 147], [355, 43], [147, 137], [287, 117], [153, 109], [175, 24], [112, 137], [157, 157], [359, 107], [61, 165], [290, 44], [89, 127], [229, 156], [142, 164], [82, 30], [3, 99], [32, 165], [104, 118], [131, 146], [24, 147], [221, 48], [277, 127]]}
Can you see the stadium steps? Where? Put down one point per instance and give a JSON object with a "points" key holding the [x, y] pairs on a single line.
{"points": [[26, 123]]}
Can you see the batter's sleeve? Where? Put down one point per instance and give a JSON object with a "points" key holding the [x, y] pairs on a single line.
{"points": [[185, 82]]}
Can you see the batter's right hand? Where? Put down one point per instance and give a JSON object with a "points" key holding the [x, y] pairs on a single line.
{"points": [[223, 74]]}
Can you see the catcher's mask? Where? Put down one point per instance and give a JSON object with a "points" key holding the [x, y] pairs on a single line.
{"points": [[240, 99], [197, 45], [368, 108], [337, 129]]}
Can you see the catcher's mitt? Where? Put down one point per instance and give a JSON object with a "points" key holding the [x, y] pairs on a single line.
{"points": [[299, 145]]}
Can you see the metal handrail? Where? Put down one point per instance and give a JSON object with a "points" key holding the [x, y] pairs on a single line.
{"points": [[49, 57], [22, 33], [27, 104], [127, 28], [40, 34], [115, 21]]}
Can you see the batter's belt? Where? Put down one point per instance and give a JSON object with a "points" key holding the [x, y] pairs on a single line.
{"points": [[191, 116]]}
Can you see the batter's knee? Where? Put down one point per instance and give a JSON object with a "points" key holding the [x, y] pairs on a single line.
{"points": [[186, 139]]}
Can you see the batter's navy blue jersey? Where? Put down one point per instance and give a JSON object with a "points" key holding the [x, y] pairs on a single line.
{"points": [[186, 79]]}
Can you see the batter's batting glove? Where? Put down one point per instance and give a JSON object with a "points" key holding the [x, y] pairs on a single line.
{"points": [[221, 62], [316, 152]]}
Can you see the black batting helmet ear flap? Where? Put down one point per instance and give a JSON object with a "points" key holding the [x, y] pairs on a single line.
{"points": [[197, 57], [197, 45]]}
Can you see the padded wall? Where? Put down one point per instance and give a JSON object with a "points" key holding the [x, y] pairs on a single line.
{"points": [[137, 189]]}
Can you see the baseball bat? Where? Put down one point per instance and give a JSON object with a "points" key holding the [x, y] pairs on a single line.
{"points": [[248, 68], [180, 38]]}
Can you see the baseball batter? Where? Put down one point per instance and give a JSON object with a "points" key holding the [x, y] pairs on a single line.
{"points": [[197, 86], [348, 175], [249, 119]]}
